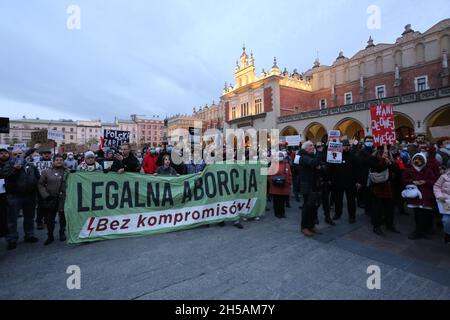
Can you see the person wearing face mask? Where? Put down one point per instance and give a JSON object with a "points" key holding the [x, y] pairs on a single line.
{"points": [[443, 152], [383, 165], [363, 158], [442, 193], [52, 188], [326, 178], [70, 163], [149, 163], [344, 181], [421, 176], [89, 164], [280, 183]]}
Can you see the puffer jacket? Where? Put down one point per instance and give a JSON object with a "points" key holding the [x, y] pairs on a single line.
{"points": [[442, 186], [53, 183]]}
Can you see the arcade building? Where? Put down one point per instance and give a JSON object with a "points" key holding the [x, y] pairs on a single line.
{"points": [[412, 74]]}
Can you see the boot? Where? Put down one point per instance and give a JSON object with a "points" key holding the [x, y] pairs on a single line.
{"points": [[62, 235], [50, 238]]}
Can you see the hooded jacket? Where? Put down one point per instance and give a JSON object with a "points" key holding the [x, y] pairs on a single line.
{"points": [[413, 173]]}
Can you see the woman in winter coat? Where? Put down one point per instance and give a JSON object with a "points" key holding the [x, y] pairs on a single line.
{"points": [[442, 194], [421, 176], [280, 184], [52, 189], [383, 192]]}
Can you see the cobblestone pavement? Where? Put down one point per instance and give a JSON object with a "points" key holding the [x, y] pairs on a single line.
{"points": [[269, 259]]}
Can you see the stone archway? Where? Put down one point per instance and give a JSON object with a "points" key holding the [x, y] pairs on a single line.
{"points": [[289, 131], [404, 127], [350, 128], [315, 132], [438, 118]]}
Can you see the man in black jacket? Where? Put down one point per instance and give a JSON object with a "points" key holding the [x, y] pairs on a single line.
{"points": [[309, 169], [21, 179], [363, 157], [125, 161], [344, 181]]}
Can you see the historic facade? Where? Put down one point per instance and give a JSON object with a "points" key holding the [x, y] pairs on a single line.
{"points": [[149, 130], [411, 73]]}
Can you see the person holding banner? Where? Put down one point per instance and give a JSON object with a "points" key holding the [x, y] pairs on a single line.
{"points": [[52, 188], [166, 169], [280, 183], [89, 164], [125, 160], [422, 178], [442, 193]]}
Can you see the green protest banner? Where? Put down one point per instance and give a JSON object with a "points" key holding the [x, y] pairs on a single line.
{"points": [[108, 206]]}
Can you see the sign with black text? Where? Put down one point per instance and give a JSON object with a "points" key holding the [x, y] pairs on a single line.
{"points": [[115, 138]]}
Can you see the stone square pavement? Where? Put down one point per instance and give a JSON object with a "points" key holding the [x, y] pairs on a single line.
{"points": [[268, 259]]}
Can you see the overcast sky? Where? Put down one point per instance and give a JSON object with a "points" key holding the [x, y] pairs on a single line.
{"points": [[165, 57]]}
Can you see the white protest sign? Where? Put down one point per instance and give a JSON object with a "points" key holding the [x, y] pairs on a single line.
{"points": [[21, 146], [334, 135], [55, 135], [334, 152], [293, 141]]}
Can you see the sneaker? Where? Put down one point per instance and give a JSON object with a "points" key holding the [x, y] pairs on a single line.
{"points": [[238, 225], [11, 245], [257, 218], [244, 219], [31, 239]]}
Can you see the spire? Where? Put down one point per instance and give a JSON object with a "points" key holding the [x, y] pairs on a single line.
{"points": [[275, 63], [370, 43]]}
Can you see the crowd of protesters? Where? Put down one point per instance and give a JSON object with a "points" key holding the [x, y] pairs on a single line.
{"points": [[380, 180]]}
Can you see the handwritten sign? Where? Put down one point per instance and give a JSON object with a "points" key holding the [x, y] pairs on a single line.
{"points": [[55, 135], [383, 124]]}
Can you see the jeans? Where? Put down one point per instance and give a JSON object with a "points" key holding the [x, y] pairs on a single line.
{"points": [[446, 222], [27, 203], [49, 218], [40, 210]]}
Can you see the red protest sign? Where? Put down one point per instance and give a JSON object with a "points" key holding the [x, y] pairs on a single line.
{"points": [[383, 124]]}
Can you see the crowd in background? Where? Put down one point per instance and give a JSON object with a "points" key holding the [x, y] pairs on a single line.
{"points": [[380, 180]]}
